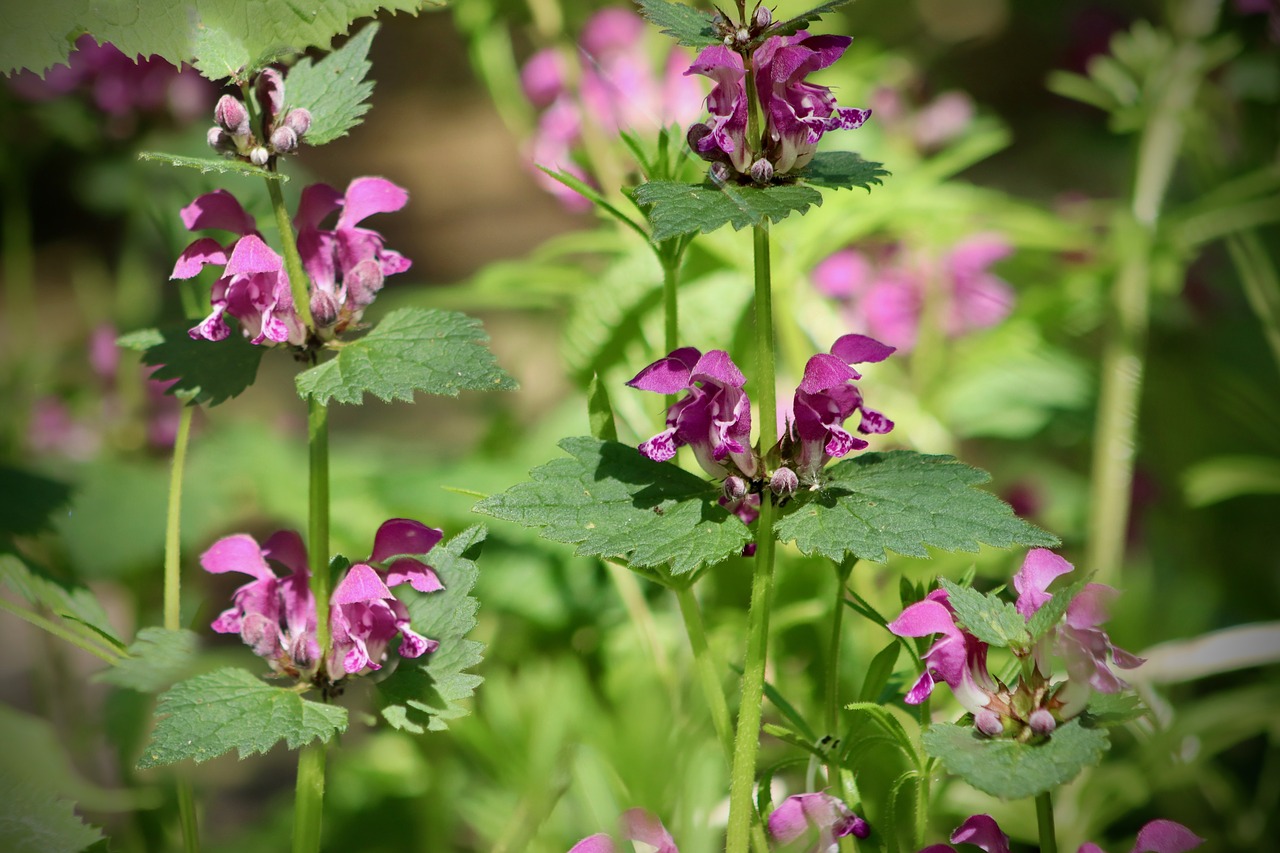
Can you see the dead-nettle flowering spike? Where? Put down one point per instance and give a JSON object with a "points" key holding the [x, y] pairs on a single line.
{"points": [[1034, 705], [347, 265], [1158, 836], [796, 112], [801, 814], [276, 615], [233, 134]]}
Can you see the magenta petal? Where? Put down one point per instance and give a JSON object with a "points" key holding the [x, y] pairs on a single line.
{"points": [[361, 584], [316, 202], [787, 822], [1166, 836], [1032, 581], [922, 619], [661, 447], [938, 848], [206, 250], [399, 536], [251, 256], [921, 690], [668, 375], [367, 196], [598, 843], [414, 645], [418, 575], [639, 825], [1089, 609], [982, 831], [717, 366], [843, 274], [218, 209], [823, 372], [287, 548], [238, 553], [860, 349]]}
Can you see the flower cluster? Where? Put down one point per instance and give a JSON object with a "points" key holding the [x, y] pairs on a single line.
{"points": [[796, 112], [346, 264], [1158, 836], [1036, 705], [886, 296], [713, 417], [611, 89], [276, 616], [818, 814], [232, 134]]}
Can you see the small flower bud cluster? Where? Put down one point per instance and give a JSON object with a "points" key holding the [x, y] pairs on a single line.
{"points": [[739, 36], [232, 134]]}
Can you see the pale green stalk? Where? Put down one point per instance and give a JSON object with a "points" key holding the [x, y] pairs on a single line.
{"points": [[308, 804], [707, 667], [1044, 818], [60, 632]]}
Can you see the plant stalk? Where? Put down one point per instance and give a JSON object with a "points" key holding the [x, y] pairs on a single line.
{"points": [[1044, 818], [318, 520], [173, 525], [308, 806], [292, 260], [707, 668], [747, 738]]}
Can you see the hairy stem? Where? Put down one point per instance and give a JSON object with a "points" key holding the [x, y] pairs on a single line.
{"points": [[318, 519], [173, 526], [308, 806], [1044, 817], [292, 260], [747, 739]]}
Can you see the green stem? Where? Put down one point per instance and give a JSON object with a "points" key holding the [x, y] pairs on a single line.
{"points": [[707, 668], [60, 632], [173, 526], [318, 522], [292, 260], [843, 570], [1261, 286], [670, 300], [1044, 817], [308, 806], [747, 739], [1123, 361], [187, 815]]}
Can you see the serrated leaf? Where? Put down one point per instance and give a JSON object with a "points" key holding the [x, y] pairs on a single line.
{"points": [[612, 502], [990, 619], [207, 372], [422, 695], [218, 165], [1011, 770], [156, 659], [411, 349], [214, 713], [75, 603], [334, 90], [842, 170], [27, 501], [902, 501], [33, 820], [688, 26], [801, 21], [679, 208], [600, 410], [1043, 620], [1114, 709]]}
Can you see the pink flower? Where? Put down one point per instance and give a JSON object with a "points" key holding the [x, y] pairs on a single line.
{"points": [[1158, 836], [802, 814], [636, 825]]}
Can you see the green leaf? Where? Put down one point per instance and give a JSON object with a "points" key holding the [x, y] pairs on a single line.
{"points": [[1114, 709], [679, 208], [33, 820], [411, 349], [74, 603], [219, 165], [990, 619], [842, 170], [422, 695], [156, 659], [1221, 478], [688, 26], [208, 372], [879, 672], [1013, 770], [231, 708], [902, 501], [334, 90], [1052, 611], [27, 501], [801, 21], [600, 410], [612, 502]]}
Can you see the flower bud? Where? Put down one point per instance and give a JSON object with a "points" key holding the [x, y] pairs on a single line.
{"points": [[271, 92], [1042, 722], [762, 18], [298, 120], [784, 482], [735, 488], [231, 115], [860, 829], [762, 171], [324, 308], [988, 722], [363, 282], [221, 141], [284, 139], [720, 173], [259, 156]]}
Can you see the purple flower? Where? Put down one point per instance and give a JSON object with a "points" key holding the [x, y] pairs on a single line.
{"points": [[1158, 836], [635, 825], [714, 417], [825, 399], [957, 657], [801, 813], [276, 616], [346, 265], [886, 297], [797, 113]]}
